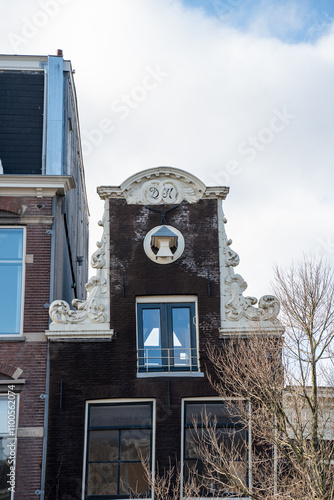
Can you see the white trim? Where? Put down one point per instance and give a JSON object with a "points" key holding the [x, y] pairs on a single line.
{"points": [[208, 399], [170, 374], [163, 260], [35, 185], [199, 190], [19, 335], [18, 62], [22, 63], [220, 215], [166, 298], [119, 401], [160, 299]]}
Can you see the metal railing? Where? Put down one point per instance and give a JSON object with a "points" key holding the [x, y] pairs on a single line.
{"points": [[167, 359]]}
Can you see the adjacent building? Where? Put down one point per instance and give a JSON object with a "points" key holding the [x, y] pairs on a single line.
{"points": [[43, 250]]}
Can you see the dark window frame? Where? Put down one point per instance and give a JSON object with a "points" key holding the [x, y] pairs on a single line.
{"points": [[119, 462], [168, 355], [220, 427]]}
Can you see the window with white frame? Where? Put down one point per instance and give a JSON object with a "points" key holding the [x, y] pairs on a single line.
{"points": [[7, 446], [119, 440], [229, 436], [11, 279], [167, 334]]}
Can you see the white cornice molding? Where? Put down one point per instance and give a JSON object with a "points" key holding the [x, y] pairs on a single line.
{"points": [[10, 62], [162, 185], [35, 185]]}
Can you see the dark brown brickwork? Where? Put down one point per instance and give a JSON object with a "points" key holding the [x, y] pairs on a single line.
{"points": [[107, 370]]}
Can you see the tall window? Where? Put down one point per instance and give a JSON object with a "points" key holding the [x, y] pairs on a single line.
{"points": [[232, 440], [119, 440], [167, 336], [11, 268]]}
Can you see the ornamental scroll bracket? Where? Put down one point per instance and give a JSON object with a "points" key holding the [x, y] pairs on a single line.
{"points": [[239, 312], [90, 317]]}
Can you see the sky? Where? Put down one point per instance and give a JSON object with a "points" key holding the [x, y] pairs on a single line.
{"points": [[237, 92]]}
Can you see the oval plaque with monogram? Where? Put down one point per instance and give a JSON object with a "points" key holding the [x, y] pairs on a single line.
{"points": [[161, 192]]}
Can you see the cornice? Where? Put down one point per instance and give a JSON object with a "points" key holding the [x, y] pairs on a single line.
{"points": [[136, 189], [35, 185]]}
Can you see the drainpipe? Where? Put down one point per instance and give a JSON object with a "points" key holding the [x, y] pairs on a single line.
{"points": [[45, 396]]}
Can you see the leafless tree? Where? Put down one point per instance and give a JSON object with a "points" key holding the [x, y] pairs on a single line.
{"points": [[272, 386], [292, 416]]}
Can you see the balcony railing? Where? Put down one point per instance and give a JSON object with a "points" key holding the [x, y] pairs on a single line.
{"points": [[167, 359]]}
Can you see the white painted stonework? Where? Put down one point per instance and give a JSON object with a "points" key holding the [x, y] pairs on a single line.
{"points": [[238, 313], [162, 185], [163, 260], [90, 318]]}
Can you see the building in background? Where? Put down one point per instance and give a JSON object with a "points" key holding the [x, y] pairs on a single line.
{"points": [[129, 366], [43, 249]]}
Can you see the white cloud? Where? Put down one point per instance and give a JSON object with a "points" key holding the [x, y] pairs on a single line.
{"points": [[222, 89]]}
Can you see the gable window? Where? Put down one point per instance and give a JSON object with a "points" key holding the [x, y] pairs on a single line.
{"points": [[232, 438], [167, 337], [11, 277], [120, 438]]}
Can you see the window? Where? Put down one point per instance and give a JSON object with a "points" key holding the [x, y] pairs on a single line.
{"points": [[167, 335], [231, 436], [7, 446], [119, 439], [11, 277]]}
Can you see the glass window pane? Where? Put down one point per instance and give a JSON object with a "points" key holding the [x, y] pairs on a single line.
{"points": [[10, 297], [4, 469], [133, 479], [3, 416], [120, 415], [103, 445], [135, 444], [11, 244], [223, 413], [190, 444], [152, 337], [181, 335], [102, 479]]}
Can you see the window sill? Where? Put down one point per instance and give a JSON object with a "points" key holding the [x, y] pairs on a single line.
{"points": [[12, 338], [170, 374]]}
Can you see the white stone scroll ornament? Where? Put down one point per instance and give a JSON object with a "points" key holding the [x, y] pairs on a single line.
{"points": [[158, 192], [94, 310], [236, 305]]}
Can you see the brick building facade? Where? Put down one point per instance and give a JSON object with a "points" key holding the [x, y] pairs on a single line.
{"points": [[43, 242], [129, 367]]}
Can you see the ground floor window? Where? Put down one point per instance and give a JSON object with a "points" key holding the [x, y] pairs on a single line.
{"points": [[119, 439], [229, 442], [7, 445]]}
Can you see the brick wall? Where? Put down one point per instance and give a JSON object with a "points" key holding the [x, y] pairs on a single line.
{"points": [[30, 356], [107, 370]]}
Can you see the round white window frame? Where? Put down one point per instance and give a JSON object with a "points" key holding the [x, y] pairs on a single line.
{"points": [[163, 260]]}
